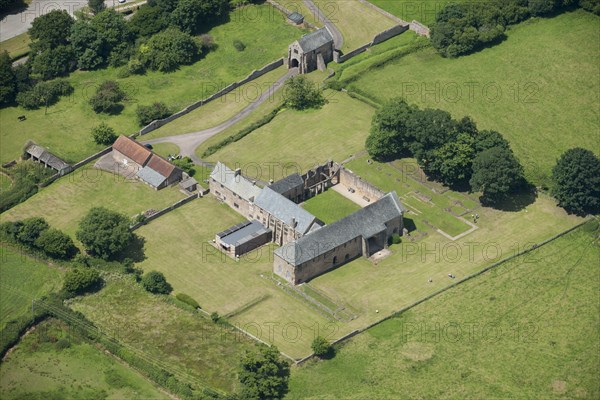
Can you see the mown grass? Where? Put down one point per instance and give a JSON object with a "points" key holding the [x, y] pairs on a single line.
{"points": [[423, 11], [164, 149], [330, 206], [16, 46], [536, 88], [187, 342], [507, 333], [64, 203], [298, 140], [23, 279], [37, 369], [65, 128]]}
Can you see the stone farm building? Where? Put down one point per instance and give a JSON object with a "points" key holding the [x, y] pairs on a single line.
{"points": [[309, 248], [312, 51], [147, 166], [49, 160]]}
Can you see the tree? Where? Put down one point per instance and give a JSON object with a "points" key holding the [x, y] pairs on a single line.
{"points": [[451, 163], [148, 20], [390, 132], [169, 49], [192, 16], [96, 6], [321, 346], [78, 281], [115, 31], [53, 62], [89, 45], [44, 93], [300, 94], [147, 114], [104, 134], [488, 139], [31, 229], [264, 375], [591, 5], [51, 30], [431, 128], [496, 173], [104, 233], [155, 282], [56, 243], [8, 84], [107, 98], [576, 178]]}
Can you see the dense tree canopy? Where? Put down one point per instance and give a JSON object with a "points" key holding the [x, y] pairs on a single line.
{"points": [[8, 84], [51, 29], [53, 62], [96, 5], [31, 229], [192, 16], [300, 94], [576, 178], [89, 45], [169, 49], [264, 376], [104, 233], [496, 173], [78, 281], [148, 20], [56, 243]]}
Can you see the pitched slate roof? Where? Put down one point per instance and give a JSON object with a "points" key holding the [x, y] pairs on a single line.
{"points": [[161, 165], [286, 210], [188, 183], [314, 40], [132, 149], [236, 183], [287, 183], [46, 157], [150, 176], [243, 232], [365, 222], [35, 150], [296, 17]]}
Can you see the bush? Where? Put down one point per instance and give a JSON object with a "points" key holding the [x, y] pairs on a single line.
{"points": [[78, 281], [155, 282], [239, 46], [26, 176], [156, 111], [62, 344], [44, 94], [186, 164], [104, 134], [56, 244], [107, 98], [394, 239], [321, 346], [215, 317], [300, 94], [31, 229], [135, 67], [169, 49], [187, 300], [104, 233]]}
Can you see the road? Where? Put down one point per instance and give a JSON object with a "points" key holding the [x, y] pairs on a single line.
{"points": [[188, 142], [338, 39]]}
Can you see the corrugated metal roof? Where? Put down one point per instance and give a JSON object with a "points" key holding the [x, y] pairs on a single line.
{"points": [[242, 233], [287, 183], [236, 183], [285, 210], [150, 176], [314, 40], [132, 149], [365, 222]]}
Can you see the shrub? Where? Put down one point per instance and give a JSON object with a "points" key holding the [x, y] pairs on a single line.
{"points": [[207, 42], [300, 94], [186, 164], [104, 233], [26, 176], [56, 243], [321, 347], [394, 239], [135, 67], [107, 98], [44, 94], [147, 114], [239, 46], [31, 229], [62, 344], [187, 300], [104, 134], [80, 280], [155, 282], [215, 317], [264, 375]]}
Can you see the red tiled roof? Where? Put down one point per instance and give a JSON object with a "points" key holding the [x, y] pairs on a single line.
{"points": [[161, 165], [132, 149]]}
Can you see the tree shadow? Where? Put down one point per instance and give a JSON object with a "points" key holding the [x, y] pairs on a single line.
{"points": [[514, 202], [329, 355], [409, 224], [134, 250]]}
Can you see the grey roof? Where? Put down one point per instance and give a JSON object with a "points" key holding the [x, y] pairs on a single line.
{"points": [[236, 183], [314, 40], [242, 233], [46, 157], [287, 183], [365, 222], [286, 210], [150, 176], [189, 182], [296, 17]]}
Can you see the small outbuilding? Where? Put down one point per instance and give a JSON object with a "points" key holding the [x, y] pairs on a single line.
{"points": [[189, 184], [43, 156], [243, 238], [296, 18], [159, 173]]}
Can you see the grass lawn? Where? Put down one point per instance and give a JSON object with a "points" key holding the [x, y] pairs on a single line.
{"points": [[16, 46], [64, 203], [37, 369], [190, 344], [423, 11], [5, 182], [220, 110], [22, 279], [357, 22], [508, 333], [536, 88], [164, 149], [299, 140], [330, 206], [65, 128]]}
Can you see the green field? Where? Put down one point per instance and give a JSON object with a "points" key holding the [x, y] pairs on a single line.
{"points": [[37, 369], [189, 344], [66, 126], [423, 11], [165, 149], [536, 88], [5, 182], [16, 46], [302, 139], [526, 329], [22, 279], [68, 199], [330, 206]]}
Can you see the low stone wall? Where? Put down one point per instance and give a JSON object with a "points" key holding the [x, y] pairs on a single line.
{"points": [[419, 28], [253, 75], [362, 187], [92, 158], [163, 211], [379, 38]]}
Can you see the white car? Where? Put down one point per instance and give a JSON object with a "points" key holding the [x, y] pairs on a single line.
{"points": [[122, 1]]}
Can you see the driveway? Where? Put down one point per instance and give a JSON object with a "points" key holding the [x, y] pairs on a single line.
{"points": [[338, 39]]}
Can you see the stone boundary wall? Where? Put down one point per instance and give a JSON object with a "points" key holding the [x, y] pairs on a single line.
{"points": [[362, 187], [253, 75], [419, 28], [382, 11], [164, 211], [287, 12], [378, 38]]}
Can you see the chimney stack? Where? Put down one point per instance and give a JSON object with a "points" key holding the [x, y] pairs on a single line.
{"points": [[238, 171]]}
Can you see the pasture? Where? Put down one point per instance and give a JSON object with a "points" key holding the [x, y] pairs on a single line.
{"points": [[64, 203], [506, 333], [38, 369], [536, 88], [330, 206], [423, 11], [65, 127], [22, 279]]}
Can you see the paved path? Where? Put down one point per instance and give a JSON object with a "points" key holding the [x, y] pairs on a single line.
{"points": [[188, 142], [338, 39]]}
